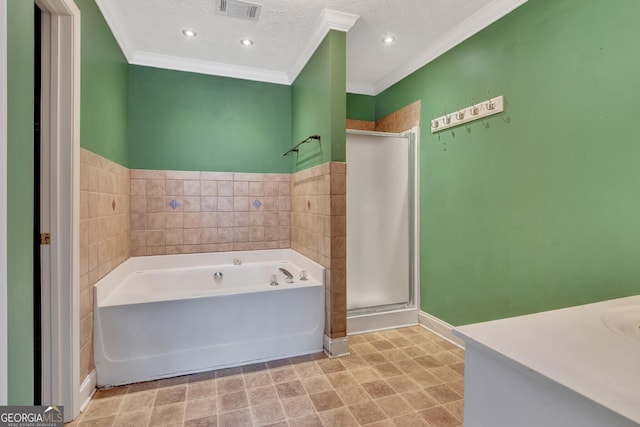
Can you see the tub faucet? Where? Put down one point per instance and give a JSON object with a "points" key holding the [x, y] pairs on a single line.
{"points": [[289, 276]]}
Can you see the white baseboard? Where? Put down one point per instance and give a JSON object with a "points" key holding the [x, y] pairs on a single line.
{"points": [[336, 347], [87, 389], [439, 327], [372, 322]]}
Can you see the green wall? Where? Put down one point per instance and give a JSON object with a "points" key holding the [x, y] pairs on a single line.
{"points": [[104, 88], [188, 121], [20, 27], [103, 130], [538, 207], [361, 107], [319, 104]]}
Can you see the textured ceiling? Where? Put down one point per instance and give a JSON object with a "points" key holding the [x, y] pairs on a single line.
{"points": [[288, 31]]}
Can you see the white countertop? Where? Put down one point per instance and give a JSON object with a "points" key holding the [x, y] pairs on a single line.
{"points": [[574, 347]]}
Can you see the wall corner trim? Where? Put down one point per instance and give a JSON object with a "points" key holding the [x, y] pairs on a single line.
{"points": [[440, 328], [336, 347]]}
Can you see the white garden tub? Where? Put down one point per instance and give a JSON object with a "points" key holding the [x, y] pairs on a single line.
{"points": [[161, 316]]}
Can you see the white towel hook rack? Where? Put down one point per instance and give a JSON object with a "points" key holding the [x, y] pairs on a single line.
{"points": [[465, 115]]}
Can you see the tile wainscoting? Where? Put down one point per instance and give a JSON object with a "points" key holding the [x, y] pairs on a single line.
{"points": [[319, 231], [104, 236], [187, 212]]}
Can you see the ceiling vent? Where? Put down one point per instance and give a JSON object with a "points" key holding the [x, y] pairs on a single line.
{"points": [[238, 9]]}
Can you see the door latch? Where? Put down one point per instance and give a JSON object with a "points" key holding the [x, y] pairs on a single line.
{"points": [[45, 238]]}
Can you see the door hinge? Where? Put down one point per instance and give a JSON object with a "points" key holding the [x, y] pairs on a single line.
{"points": [[45, 238]]}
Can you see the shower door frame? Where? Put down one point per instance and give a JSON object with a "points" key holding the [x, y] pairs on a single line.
{"points": [[406, 313]]}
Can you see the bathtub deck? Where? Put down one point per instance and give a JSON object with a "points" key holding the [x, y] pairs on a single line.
{"points": [[403, 377]]}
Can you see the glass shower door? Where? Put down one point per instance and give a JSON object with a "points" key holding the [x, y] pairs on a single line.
{"points": [[379, 221]]}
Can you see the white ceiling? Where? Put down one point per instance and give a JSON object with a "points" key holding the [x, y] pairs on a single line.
{"points": [[288, 32]]}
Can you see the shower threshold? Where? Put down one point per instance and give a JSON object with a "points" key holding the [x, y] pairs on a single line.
{"points": [[369, 319]]}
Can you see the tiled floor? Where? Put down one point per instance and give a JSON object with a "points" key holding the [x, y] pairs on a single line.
{"points": [[402, 377]]}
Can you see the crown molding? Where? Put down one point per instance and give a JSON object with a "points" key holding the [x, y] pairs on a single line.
{"points": [[465, 29], [110, 15], [170, 62], [360, 88], [328, 20]]}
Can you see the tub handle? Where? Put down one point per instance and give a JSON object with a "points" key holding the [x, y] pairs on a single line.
{"points": [[274, 280], [218, 275]]}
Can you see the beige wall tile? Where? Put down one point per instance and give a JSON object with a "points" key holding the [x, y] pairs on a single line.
{"points": [[240, 234], [138, 187], [361, 124], [240, 219], [191, 203], [225, 219], [155, 221], [209, 219], [209, 188], [146, 174], [256, 189], [155, 238], [216, 176], [209, 236], [240, 188], [181, 175], [174, 187], [248, 177], [192, 236], [225, 188], [209, 204], [192, 188], [155, 203], [271, 188], [174, 237], [192, 220], [257, 218], [240, 203], [225, 235], [225, 204], [155, 187]]}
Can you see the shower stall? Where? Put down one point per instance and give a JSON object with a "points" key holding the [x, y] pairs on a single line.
{"points": [[381, 230]]}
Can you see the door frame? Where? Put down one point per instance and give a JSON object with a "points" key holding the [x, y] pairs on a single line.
{"points": [[3, 205], [60, 199]]}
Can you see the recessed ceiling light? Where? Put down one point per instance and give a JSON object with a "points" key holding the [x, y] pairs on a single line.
{"points": [[389, 40], [189, 32], [246, 42]]}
